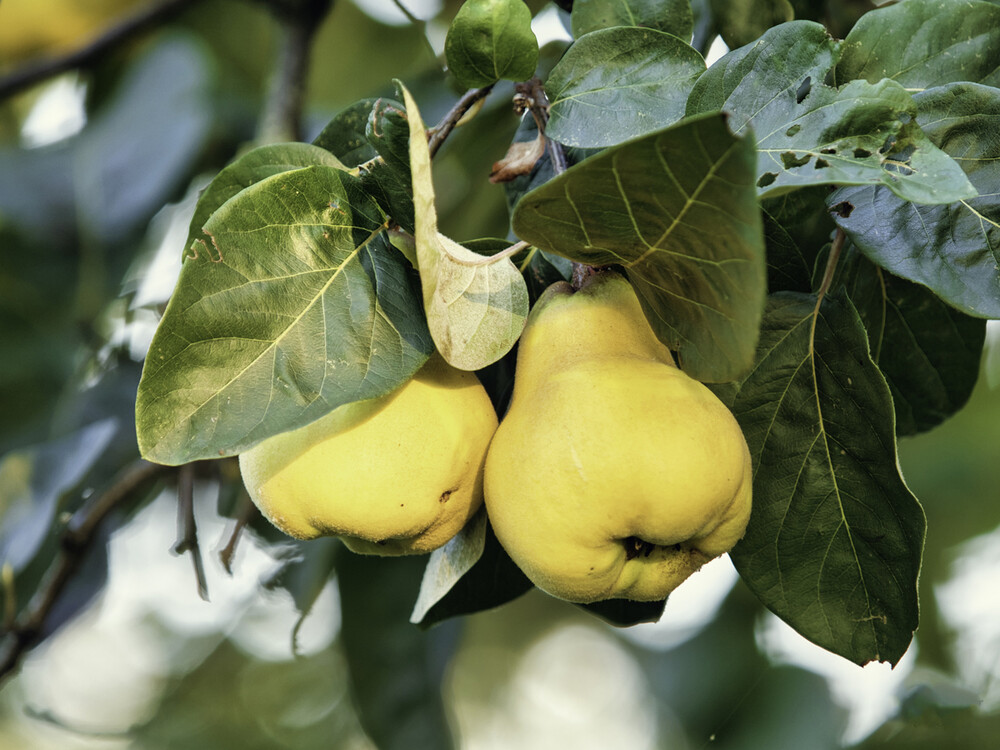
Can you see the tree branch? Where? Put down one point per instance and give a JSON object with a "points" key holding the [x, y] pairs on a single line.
{"points": [[450, 120], [142, 22], [187, 529], [282, 115], [247, 513], [74, 541]]}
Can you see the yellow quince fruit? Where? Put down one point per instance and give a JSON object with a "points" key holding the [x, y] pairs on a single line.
{"points": [[613, 474], [395, 475]]}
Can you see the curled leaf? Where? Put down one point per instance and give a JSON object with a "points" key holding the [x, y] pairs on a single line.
{"points": [[475, 306]]}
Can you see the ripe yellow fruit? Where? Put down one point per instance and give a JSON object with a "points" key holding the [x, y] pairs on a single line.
{"points": [[394, 475], [613, 474]]}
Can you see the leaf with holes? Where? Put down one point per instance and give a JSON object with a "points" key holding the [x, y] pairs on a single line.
{"points": [[811, 134], [952, 249], [295, 304], [672, 16], [476, 306], [834, 542], [925, 43], [678, 209], [615, 84], [251, 168]]}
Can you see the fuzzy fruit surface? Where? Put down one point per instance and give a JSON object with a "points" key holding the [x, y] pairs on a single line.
{"points": [[613, 474], [396, 475]]}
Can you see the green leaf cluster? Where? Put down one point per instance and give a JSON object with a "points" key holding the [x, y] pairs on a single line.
{"points": [[810, 223]]}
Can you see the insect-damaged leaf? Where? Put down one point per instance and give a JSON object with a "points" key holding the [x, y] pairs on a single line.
{"points": [[809, 133]]}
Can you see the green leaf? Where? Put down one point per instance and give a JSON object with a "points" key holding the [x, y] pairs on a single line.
{"points": [[812, 134], [447, 564], [672, 16], [928, 351], [475, 306], [925, 43], [678, 210], [618, 83], [952, 249], [308, 568], [295, 305], [397, 671], [345, 135], [748, 80], [247, 170], [623, 612], [490, 40], [741, 21], [796, 227], [469, 574], [387, 178], [834, 542]]}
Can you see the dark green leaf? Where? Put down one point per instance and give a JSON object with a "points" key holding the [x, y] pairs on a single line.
{"points": [[490, 40], [811, 134], [622, 612], [344, 136], [309, 567], [835, 538], [396, 669], [387, 179], [296, 304], [741, 21], [796, 227], [925, 43], [672, 16], [748, 80], [542, 269], [249, 169], [678, 210], [469, 574], [952, 249], [618, 83], [928, 351]]}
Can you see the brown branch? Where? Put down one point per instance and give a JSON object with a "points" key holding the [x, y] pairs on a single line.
{"points": [[247, 512], [469, 99], [187, 528], [142, 22], [282, 113], [74, 542]]}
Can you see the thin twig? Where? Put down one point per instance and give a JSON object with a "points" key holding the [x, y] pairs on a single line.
{"points": [[38, 71], [450, 120], [187, 528], [74, 541], [247, 512]]}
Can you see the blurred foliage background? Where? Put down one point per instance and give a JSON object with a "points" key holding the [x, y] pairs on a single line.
{"points": [[99, 170]]}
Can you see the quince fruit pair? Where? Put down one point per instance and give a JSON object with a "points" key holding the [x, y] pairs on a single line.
{"points": [[613, 474]]}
